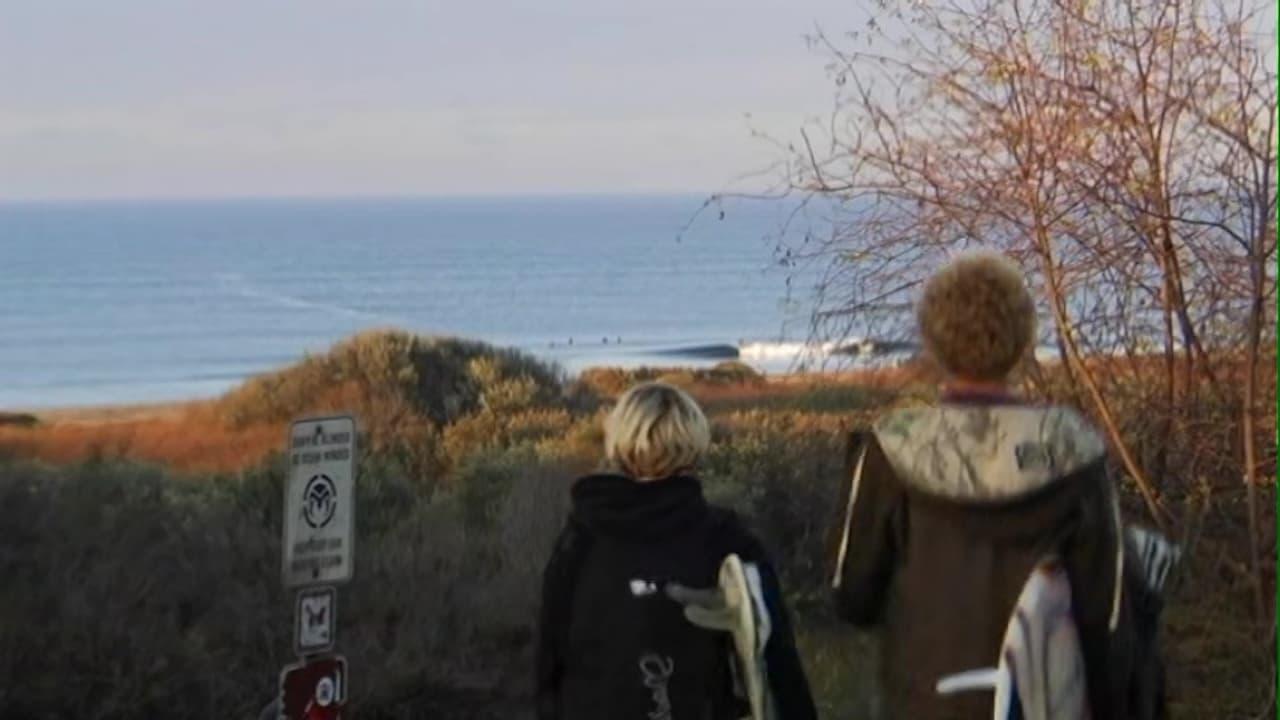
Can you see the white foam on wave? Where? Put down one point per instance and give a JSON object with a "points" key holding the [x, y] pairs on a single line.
{"points": [[786, 350], [789, 355], [858, 353]]}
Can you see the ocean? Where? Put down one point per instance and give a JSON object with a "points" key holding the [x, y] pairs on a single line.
{"points": [[140, 302]]}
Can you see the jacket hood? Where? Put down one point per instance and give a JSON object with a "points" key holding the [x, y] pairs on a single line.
{"points": [[617, 506], [986, 452]]}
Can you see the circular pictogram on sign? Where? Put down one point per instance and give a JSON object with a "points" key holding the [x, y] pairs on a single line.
{"points": [[319, 501], [325, 692]]}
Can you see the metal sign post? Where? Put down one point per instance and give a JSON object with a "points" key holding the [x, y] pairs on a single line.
{"points": [[317, 552]]}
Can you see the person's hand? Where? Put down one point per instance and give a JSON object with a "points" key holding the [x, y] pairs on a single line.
{"points": [[705, 607], [732, 607]]}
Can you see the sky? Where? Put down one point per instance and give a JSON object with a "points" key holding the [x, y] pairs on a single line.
{"points": [[229, 98]]}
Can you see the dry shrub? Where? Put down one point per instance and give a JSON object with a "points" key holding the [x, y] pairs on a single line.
{"points": [[178, 443], [467, 569], [783, 473], [389, 373], [579, 446], [607, 382], [1191, 440], [1221, 663], [134, 595], [610, 382], [814, 396], [9, 419]]}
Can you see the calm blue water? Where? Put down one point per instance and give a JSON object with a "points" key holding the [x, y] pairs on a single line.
{"points": [[142, 302]]}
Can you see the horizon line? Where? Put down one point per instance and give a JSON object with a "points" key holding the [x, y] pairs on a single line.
{"points": [[331, 197]]}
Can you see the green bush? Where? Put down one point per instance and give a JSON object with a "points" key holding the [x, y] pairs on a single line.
{"points": [[733, 372], [786, 482], [391, 375], [129, 594], [483, 483], [132, 594], [610, 382], [22, 420]]}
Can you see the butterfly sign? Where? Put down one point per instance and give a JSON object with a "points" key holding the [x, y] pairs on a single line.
{"points": [[315, 620]]}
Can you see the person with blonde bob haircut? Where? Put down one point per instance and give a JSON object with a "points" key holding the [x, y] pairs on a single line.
{"points": [[615, 636], [655, 431], [951, 508]]}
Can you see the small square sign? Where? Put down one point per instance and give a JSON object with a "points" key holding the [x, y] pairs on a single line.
{"points": [[315, 620], [314, 690]]}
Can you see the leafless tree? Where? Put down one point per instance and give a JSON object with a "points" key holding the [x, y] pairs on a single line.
{"points": [[1123, 151]]}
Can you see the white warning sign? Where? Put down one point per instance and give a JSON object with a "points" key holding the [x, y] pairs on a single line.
{"points": [[319, 502]]}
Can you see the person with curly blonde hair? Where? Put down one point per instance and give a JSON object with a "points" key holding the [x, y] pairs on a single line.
{"points": [[950, 508], [977, 320]]}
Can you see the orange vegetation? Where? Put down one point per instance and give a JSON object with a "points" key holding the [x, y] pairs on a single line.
{"points": [[208, 436], [189, 441], [216, 436]]}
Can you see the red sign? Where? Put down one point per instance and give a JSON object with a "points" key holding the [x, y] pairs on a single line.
{"points": [[314, 690]]}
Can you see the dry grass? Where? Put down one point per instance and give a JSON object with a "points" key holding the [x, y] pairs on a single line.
{"points": [[185, 443], [94, 414], [238, 431]]}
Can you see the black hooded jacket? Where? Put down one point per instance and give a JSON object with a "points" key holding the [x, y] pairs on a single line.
{"points": [[949, 509], [611, 644]]}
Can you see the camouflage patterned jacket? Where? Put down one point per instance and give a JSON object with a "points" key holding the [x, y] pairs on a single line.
{"points": [[947, 510]]}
